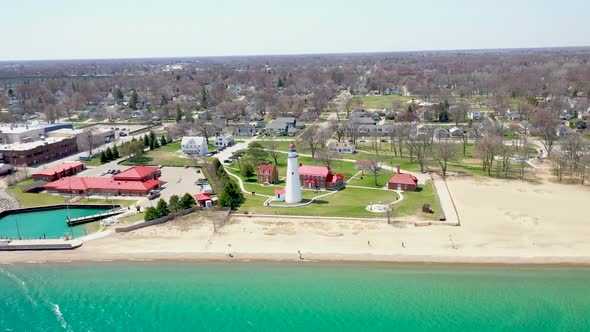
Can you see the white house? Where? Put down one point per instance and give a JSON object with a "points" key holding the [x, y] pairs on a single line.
{"points": [[224, 140], [194, 146], [341, 147]]}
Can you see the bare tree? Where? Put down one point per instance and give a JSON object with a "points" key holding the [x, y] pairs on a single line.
{"points": [[88, 139], [310, 139], [545, 124], [273, 149], [444, 151], [326, 157], [459, 111], [421, 147], [488, 148]]}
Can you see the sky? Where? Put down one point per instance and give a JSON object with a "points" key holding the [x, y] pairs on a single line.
{"points": [[94, 29]]}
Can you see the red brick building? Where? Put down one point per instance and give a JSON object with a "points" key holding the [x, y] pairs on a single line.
{"points": [[267, 173], [59, 171], [320, 177], [402, 181], [38, 152]]}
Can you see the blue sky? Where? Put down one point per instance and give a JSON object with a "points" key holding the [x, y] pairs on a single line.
{"points": [[75, 29]]}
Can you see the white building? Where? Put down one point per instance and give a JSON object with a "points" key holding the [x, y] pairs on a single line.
{"points": [[293, 187], [341, 147], [224, 140], [194, 146]]}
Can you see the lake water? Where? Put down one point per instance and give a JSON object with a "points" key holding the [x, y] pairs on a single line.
{"points": [[167, 296], [48, 223]]}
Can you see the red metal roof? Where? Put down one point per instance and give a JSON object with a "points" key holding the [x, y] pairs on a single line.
{"points": [[84, 184], [404, 178], [265, 169], [136, 172], [321, 171], [59, 168], [202, 197]]}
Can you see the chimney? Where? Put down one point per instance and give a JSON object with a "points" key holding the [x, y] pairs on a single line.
{"points": [[398, 169]]}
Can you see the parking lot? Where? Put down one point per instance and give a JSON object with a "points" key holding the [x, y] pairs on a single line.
{"points": [[180, 180]]}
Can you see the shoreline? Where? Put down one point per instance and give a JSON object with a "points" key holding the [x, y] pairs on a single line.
{"points": [[22, 258]]}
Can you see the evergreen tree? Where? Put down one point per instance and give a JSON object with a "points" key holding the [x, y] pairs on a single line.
{"points": [[162, 208], [146, 140], [151, 144], [163, 140], [133, 101], [178, 113], [151, 213], [174, 203], [231, 196], [187, 201], [156, 144], [152, 136], [410, 109], [109, 154], [119, 95], [280, 84], [115, 152], [103, 157]]}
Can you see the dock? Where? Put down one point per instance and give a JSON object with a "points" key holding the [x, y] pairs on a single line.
{"points": [[94, 217], [49, 244]]}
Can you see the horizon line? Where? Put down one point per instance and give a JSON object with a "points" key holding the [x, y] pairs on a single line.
{"points": [[300, 54]]}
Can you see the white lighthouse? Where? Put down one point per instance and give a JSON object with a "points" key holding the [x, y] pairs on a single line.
{"points": [[293, 188]]}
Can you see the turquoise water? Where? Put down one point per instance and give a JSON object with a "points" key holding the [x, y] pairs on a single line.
{"points": [[292, 297], [50, 223]]}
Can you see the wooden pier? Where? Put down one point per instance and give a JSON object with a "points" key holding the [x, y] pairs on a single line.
{"points": [[86, 219]]}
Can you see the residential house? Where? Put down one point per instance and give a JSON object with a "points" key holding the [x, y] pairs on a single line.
{"points": [[194, 146], [224, 140], [456, 132], [441, 133], [267, 173], [282, 126], [513, 115], [341, 147], [245, 129]]}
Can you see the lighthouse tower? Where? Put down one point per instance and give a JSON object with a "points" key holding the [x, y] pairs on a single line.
{"points": [[293, 188]]}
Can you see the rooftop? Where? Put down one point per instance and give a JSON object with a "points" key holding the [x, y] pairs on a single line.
{"points": [[31, 145], [404, 178], [321, 171], [136, 172], [83, 184], [59, 168]]}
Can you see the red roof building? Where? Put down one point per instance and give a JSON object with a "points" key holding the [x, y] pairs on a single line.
{"points": [[403, 181], [101, 186], [267, 173], [139, 173], [202, 197], [59, 171], [320, 177]]}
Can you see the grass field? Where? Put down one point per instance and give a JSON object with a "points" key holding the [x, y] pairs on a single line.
{"points": [[352, 202], [168, 155], [27, 200], [383, 101]]}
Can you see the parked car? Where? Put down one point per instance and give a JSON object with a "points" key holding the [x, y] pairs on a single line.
{"points": [[153, 194], [227, 161], [122, 133]]}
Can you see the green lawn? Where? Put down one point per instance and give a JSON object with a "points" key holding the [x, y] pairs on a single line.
{"points": [[93, 162], [368, 179], [132, 219], [27, 200], [168, 155], [413, 200], [383, 101], [348, 202]]}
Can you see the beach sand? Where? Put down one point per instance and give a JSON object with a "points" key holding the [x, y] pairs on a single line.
{"points": [[502, 222]]}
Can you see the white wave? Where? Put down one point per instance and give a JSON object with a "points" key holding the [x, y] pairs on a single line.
{"points": [[60, 316], [22, 285]]}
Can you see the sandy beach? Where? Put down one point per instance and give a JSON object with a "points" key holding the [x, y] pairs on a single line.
{"points": [[502, 222]]}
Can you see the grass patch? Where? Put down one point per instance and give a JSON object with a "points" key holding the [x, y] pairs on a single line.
{"points": [[348, 202], [168, 155], [413, 200], [132, 219], [383, 101]]}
